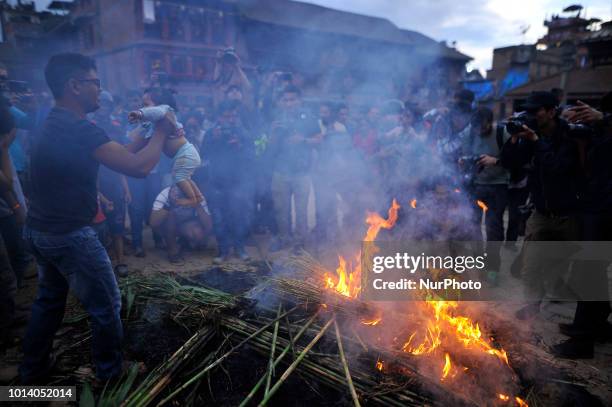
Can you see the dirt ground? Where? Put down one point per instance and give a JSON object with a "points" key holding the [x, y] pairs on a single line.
{"points": [[595, 374]]}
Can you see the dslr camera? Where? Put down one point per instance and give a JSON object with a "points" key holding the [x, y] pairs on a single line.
{"points": [[514, 125], [470, 167]]}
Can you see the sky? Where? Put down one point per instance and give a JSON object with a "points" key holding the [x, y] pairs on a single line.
{"points": [[477, 26]]}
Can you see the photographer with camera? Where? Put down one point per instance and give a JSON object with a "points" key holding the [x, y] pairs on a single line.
{"points": [[293, 135], [488, 180], [230, 153], [450, 124], [229, 73], [546, 143], [591, 318]]}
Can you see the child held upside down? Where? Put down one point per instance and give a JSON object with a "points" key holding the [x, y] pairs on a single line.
{"points": [[185, 157]]}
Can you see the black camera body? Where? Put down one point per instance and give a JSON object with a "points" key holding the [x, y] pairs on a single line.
{"points": [[514, 125], [470, 167]]}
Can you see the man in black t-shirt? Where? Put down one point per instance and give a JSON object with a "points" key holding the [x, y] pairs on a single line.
{"points": [[63, 203]]}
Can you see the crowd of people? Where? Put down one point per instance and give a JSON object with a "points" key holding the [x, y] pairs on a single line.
{"points": [[78, 175]]}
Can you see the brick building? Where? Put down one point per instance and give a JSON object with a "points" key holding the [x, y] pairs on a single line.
{"points": [[334, 53], [328, 49]]}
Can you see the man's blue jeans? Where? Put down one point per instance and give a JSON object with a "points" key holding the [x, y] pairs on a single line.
{"points": [[78, 262]]}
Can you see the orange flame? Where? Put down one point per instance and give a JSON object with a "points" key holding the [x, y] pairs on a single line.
{"points": [[371, 322], [521, 402], [447, 366], [465, 331], [379, 365], [348, 280], [482, 205], [413, 203], [503, 397]]}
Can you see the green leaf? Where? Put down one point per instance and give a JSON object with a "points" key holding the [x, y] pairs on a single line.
{"points": [[87, 397]]}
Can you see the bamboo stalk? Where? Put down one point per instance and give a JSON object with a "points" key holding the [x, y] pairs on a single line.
{"points": [[277, 361], [347, 373], [296, 362], [221, 359], [271, 361], [325, 371]]}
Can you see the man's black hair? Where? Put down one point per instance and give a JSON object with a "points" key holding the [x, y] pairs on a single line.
{"points": [[341, 106], [227, 105], [558, 92], [62, 67], [162, 96], [194, 115], [7, 122], [290, 89]]}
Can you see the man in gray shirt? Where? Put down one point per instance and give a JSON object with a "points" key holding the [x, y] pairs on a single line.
{"points": [[489, 181]]}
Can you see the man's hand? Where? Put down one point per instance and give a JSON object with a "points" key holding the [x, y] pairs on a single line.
{"points": [[583, 113], [134, 116], [20, 215], [526, 134], [7, 140], [487, 161]]}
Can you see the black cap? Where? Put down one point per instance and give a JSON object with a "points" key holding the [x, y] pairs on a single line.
{"points": [[540, 99]]}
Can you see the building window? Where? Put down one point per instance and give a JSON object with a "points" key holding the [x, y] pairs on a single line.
{"points": [[198, 26], [218, 28], [202, 67], [176, 23], [153, 20], [154, 61], [178, 65]]}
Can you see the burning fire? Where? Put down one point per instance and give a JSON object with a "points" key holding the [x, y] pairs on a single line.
{"points": [[521, 402], [482, 205], [443, 331], [371, 322], [348, 280], [447, 366], [461, 328]]}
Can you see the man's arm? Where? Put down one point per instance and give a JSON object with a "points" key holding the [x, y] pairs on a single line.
{"points": [[120, 159], [137, 140]]}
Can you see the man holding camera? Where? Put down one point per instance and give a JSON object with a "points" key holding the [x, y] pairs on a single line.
{"points": [[488, 180], [591, 318], [544, 142], [228, 73], [293, 137]]}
